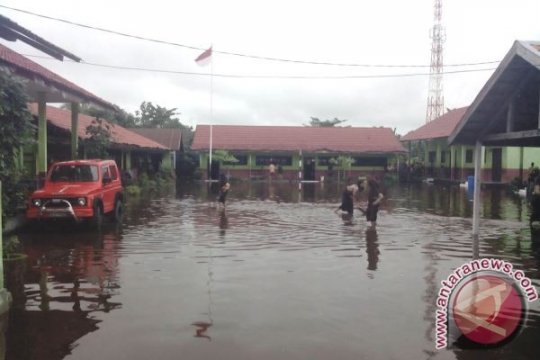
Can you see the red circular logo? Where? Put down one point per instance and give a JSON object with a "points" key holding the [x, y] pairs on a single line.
{"points": [[488, 309]]}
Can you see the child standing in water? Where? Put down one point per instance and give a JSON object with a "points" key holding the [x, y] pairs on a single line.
{"points": [[347, 197], [374, 199], [224, 188]]}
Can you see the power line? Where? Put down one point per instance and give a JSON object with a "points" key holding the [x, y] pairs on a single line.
{"points": [[256, 57], [251, 76]]}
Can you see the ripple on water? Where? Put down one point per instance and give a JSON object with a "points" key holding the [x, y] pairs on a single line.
{"points": [[266, 275]]}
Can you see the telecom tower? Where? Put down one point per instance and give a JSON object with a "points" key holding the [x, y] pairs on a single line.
{"points": [[435, 103]]}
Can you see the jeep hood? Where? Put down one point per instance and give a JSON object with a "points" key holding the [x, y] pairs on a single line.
{"points": [[62, 189]]}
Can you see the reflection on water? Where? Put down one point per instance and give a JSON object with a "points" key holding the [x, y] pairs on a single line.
{"points": [[275, 275], [372, 248], [67, 279]]}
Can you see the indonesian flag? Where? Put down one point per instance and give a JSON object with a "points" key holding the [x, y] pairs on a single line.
{"points": [[204, 58]]}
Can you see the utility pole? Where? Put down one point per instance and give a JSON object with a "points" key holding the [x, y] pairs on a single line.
{"points": [[435, 102]]}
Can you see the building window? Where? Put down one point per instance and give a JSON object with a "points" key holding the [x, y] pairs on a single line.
{"points": [[370, 161], [264, 160], [431, 156], [242, 160], [469, 156], [324, 160], [443, 156]]}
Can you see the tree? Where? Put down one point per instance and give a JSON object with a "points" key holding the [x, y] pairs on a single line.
{"points": [[148, 116], [316, 122], [343, 163], [16, 130], [120, 117], [99, 132], [155, 116], [223, 156]]}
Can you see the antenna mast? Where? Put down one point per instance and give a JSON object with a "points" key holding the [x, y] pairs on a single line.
{"points": [[435, 102]]}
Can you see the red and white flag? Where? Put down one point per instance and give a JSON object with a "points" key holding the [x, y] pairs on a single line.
{"points": [[204, 58]]}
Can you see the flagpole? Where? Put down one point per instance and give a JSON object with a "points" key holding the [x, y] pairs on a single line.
{"points": [[211, 107]]}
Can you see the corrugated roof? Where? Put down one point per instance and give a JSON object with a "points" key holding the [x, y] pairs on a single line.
{"points": [[119, 135], [12, 31], [25, 67], [170, 138], [295, 138], [438, 128]]}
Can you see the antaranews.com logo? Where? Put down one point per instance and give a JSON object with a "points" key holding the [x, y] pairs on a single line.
{"points": [[483, 302]]}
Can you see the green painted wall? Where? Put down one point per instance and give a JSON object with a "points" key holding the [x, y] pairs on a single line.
{"points": [[512, 157], [203, 159], [531, 155]]}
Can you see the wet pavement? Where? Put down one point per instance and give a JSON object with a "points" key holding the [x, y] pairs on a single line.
{"points": [[278, 275]]}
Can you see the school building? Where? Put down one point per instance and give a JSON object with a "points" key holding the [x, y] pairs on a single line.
{"points": [[429, 150], [129, 149], [298, 152], [169, 138]]}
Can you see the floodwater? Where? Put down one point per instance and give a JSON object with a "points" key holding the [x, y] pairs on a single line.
{"points": [[278, 275]]}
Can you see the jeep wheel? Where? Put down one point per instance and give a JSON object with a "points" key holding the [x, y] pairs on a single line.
{"points": [[118, 211], [97, 219]]}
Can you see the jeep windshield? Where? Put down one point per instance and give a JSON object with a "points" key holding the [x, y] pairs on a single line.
{"points": [[74, 173]]}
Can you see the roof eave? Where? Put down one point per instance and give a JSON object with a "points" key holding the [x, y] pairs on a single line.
{"points": [[517, 49]]}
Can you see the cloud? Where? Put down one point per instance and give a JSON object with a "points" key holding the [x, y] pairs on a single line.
{"points": [[381, 32]]}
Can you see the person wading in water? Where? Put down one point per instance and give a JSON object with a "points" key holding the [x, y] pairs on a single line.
{"points": [[347, 197], [374, 199], [224, 188]]}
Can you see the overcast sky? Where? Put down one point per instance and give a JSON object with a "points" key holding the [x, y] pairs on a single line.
{"points": [[387, 32]]}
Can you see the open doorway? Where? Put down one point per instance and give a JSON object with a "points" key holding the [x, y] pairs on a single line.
{"points": [[496, 164], [309, 169], [213, 171]]}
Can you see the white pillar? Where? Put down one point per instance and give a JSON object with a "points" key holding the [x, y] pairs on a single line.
{"points": [[477, 182]]}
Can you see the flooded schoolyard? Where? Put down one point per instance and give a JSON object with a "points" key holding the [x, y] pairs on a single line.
{"points": [[277, 276]]}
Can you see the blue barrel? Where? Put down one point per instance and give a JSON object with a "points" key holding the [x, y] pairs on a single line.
{"points": [[470, 183]]}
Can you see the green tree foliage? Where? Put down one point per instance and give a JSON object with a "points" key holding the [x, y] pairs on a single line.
{"points": [[155, 116], [343, 163], [99, 132], [120, 117], [223, 156], [148, 116], [16, 130], [316, 122]]}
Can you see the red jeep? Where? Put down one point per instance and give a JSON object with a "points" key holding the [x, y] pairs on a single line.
{"points": [[79, 189]]}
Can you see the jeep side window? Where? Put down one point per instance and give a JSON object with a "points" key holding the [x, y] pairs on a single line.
{"points": [[89, 173], [113, 172], [105, 172]]}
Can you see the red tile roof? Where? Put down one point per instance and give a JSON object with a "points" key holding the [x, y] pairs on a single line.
{"points": [[62, 118], [438, 128], [170, 138], [29, 69], [295, 138]]}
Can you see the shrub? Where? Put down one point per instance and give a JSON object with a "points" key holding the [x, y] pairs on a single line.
{"points": [[16, 130], [133, 190]]}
